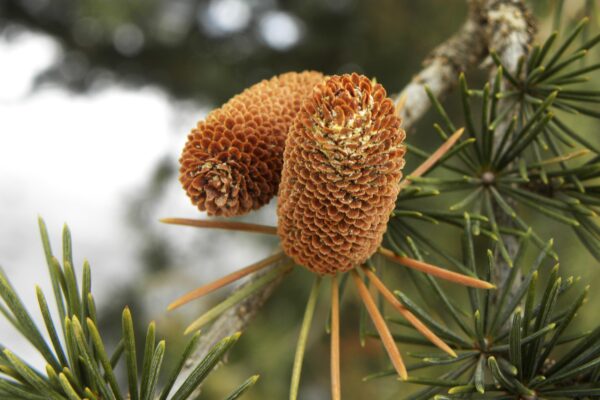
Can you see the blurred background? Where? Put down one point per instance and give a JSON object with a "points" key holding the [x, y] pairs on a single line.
{"points": [[96, 100]]}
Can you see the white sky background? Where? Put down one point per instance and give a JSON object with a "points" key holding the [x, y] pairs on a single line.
{"points": [[75, 158], [69, 157]]}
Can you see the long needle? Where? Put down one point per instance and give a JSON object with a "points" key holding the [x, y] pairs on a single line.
{"points": [[226, 280], [382, 329], [410, 317], [436, 271], [303, 337], [427, 164], [336, 386], [217, 224], [239, 295]]}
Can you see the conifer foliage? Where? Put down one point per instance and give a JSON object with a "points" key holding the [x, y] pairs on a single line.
{"points": [[78, 363]]}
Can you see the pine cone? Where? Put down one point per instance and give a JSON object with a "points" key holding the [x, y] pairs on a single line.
{"points": [[342, 168], [231, 163]]}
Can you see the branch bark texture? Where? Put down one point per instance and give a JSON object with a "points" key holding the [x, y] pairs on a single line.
{"points": [[502, 25], [510, 30]]}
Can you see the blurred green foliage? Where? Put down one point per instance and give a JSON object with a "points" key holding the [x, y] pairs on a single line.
{"points": [[170, 43]]}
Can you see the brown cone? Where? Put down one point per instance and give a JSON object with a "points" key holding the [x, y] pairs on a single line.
{"points": [[341, 175], [231, 163]]}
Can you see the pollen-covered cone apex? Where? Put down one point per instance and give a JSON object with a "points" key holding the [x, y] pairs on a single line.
{"points": [[341, 175], [231, 163]]}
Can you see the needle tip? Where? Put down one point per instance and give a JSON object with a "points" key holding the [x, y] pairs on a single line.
{"points": [[189, 329]]}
